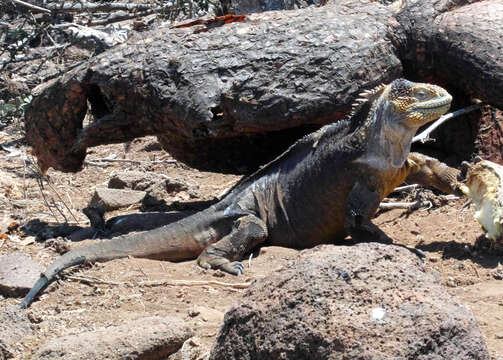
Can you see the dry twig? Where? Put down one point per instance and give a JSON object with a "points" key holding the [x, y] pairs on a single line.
{"points": [[406, 188], [93, 280], [149, 283], [402, 205], [39, 177], [102, 162], [193, 283], [82, 6]]}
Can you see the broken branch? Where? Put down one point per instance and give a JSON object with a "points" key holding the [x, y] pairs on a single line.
{"points": [[31, 6], [425, 135]]}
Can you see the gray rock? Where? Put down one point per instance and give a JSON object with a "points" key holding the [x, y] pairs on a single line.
{"points": [[191, 350], [113, 199], [368, 301], [157, 186], [14, 325], [146, 338], [146, 181], [18, 273], [134, 180]]}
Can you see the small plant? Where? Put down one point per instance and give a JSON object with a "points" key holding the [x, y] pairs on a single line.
{"points": [[14, 109]]}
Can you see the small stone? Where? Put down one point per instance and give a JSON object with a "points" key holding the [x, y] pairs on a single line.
{"points": [[459, 266], [377, 314], [153, 338], [133, 180], [146, 181], [59, 244], [28, 241], [218, 273], [13, 226], [193, 312], [498, 274], [18, 273], [113, 199], [190, 350], [451, 282]]}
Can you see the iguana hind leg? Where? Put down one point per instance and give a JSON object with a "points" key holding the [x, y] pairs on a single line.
{"points": [[428, 171], [248, 231]]}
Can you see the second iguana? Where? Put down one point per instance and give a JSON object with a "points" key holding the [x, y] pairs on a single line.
{"points": [[325, 186]]}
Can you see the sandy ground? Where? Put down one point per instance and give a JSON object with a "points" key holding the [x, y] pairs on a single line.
{"points": [[107, 294]]}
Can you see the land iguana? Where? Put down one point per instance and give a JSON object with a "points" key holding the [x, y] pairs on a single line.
{"points": [[325, 186]]}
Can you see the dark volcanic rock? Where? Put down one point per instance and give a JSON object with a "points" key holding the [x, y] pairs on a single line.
{"points": [[368, 301], [262, 83], [147, 338], [18, 273]]}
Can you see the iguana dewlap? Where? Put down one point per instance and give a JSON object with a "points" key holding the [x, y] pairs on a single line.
{"points": [[484, 186]]}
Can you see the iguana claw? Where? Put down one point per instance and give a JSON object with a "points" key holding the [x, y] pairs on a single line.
{"points": [[234, 268]]}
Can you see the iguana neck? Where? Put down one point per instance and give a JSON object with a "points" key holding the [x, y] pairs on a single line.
{"points": [[387, 140]]}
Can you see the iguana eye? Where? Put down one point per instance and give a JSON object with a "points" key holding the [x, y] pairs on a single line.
{"points": [[421, 94]]}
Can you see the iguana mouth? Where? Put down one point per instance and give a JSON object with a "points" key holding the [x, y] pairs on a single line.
{"points": [[435, 104]]}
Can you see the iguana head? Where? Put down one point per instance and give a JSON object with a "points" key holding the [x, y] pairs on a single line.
{"points": [[389, 116], [417, 103]]}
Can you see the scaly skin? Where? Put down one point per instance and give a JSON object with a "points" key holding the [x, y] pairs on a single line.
{"points": [[325, 186]]}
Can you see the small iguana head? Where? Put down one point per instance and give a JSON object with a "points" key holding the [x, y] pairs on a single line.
{"points": [[418, 103]]}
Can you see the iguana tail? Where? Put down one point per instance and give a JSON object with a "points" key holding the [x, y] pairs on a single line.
{"points": [[182, 240]]}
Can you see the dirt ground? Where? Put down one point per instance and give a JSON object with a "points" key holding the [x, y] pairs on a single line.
{"points": [[110, 293]]}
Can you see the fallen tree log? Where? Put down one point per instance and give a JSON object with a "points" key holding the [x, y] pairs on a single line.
{"points": [[459, 45], [207, 94]]}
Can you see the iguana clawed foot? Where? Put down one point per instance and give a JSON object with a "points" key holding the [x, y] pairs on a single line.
{"points": [[208, 262], [248, 231]]}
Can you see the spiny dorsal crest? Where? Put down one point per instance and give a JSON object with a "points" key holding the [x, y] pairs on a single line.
{"points": [[364, 106], [367, 96]]}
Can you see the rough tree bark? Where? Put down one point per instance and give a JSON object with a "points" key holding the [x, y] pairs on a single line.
{"points": [[206, 94]]}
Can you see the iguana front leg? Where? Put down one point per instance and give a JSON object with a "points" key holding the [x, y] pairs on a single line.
{"points": [[361, 205], [248, 231], [428, 171]]}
